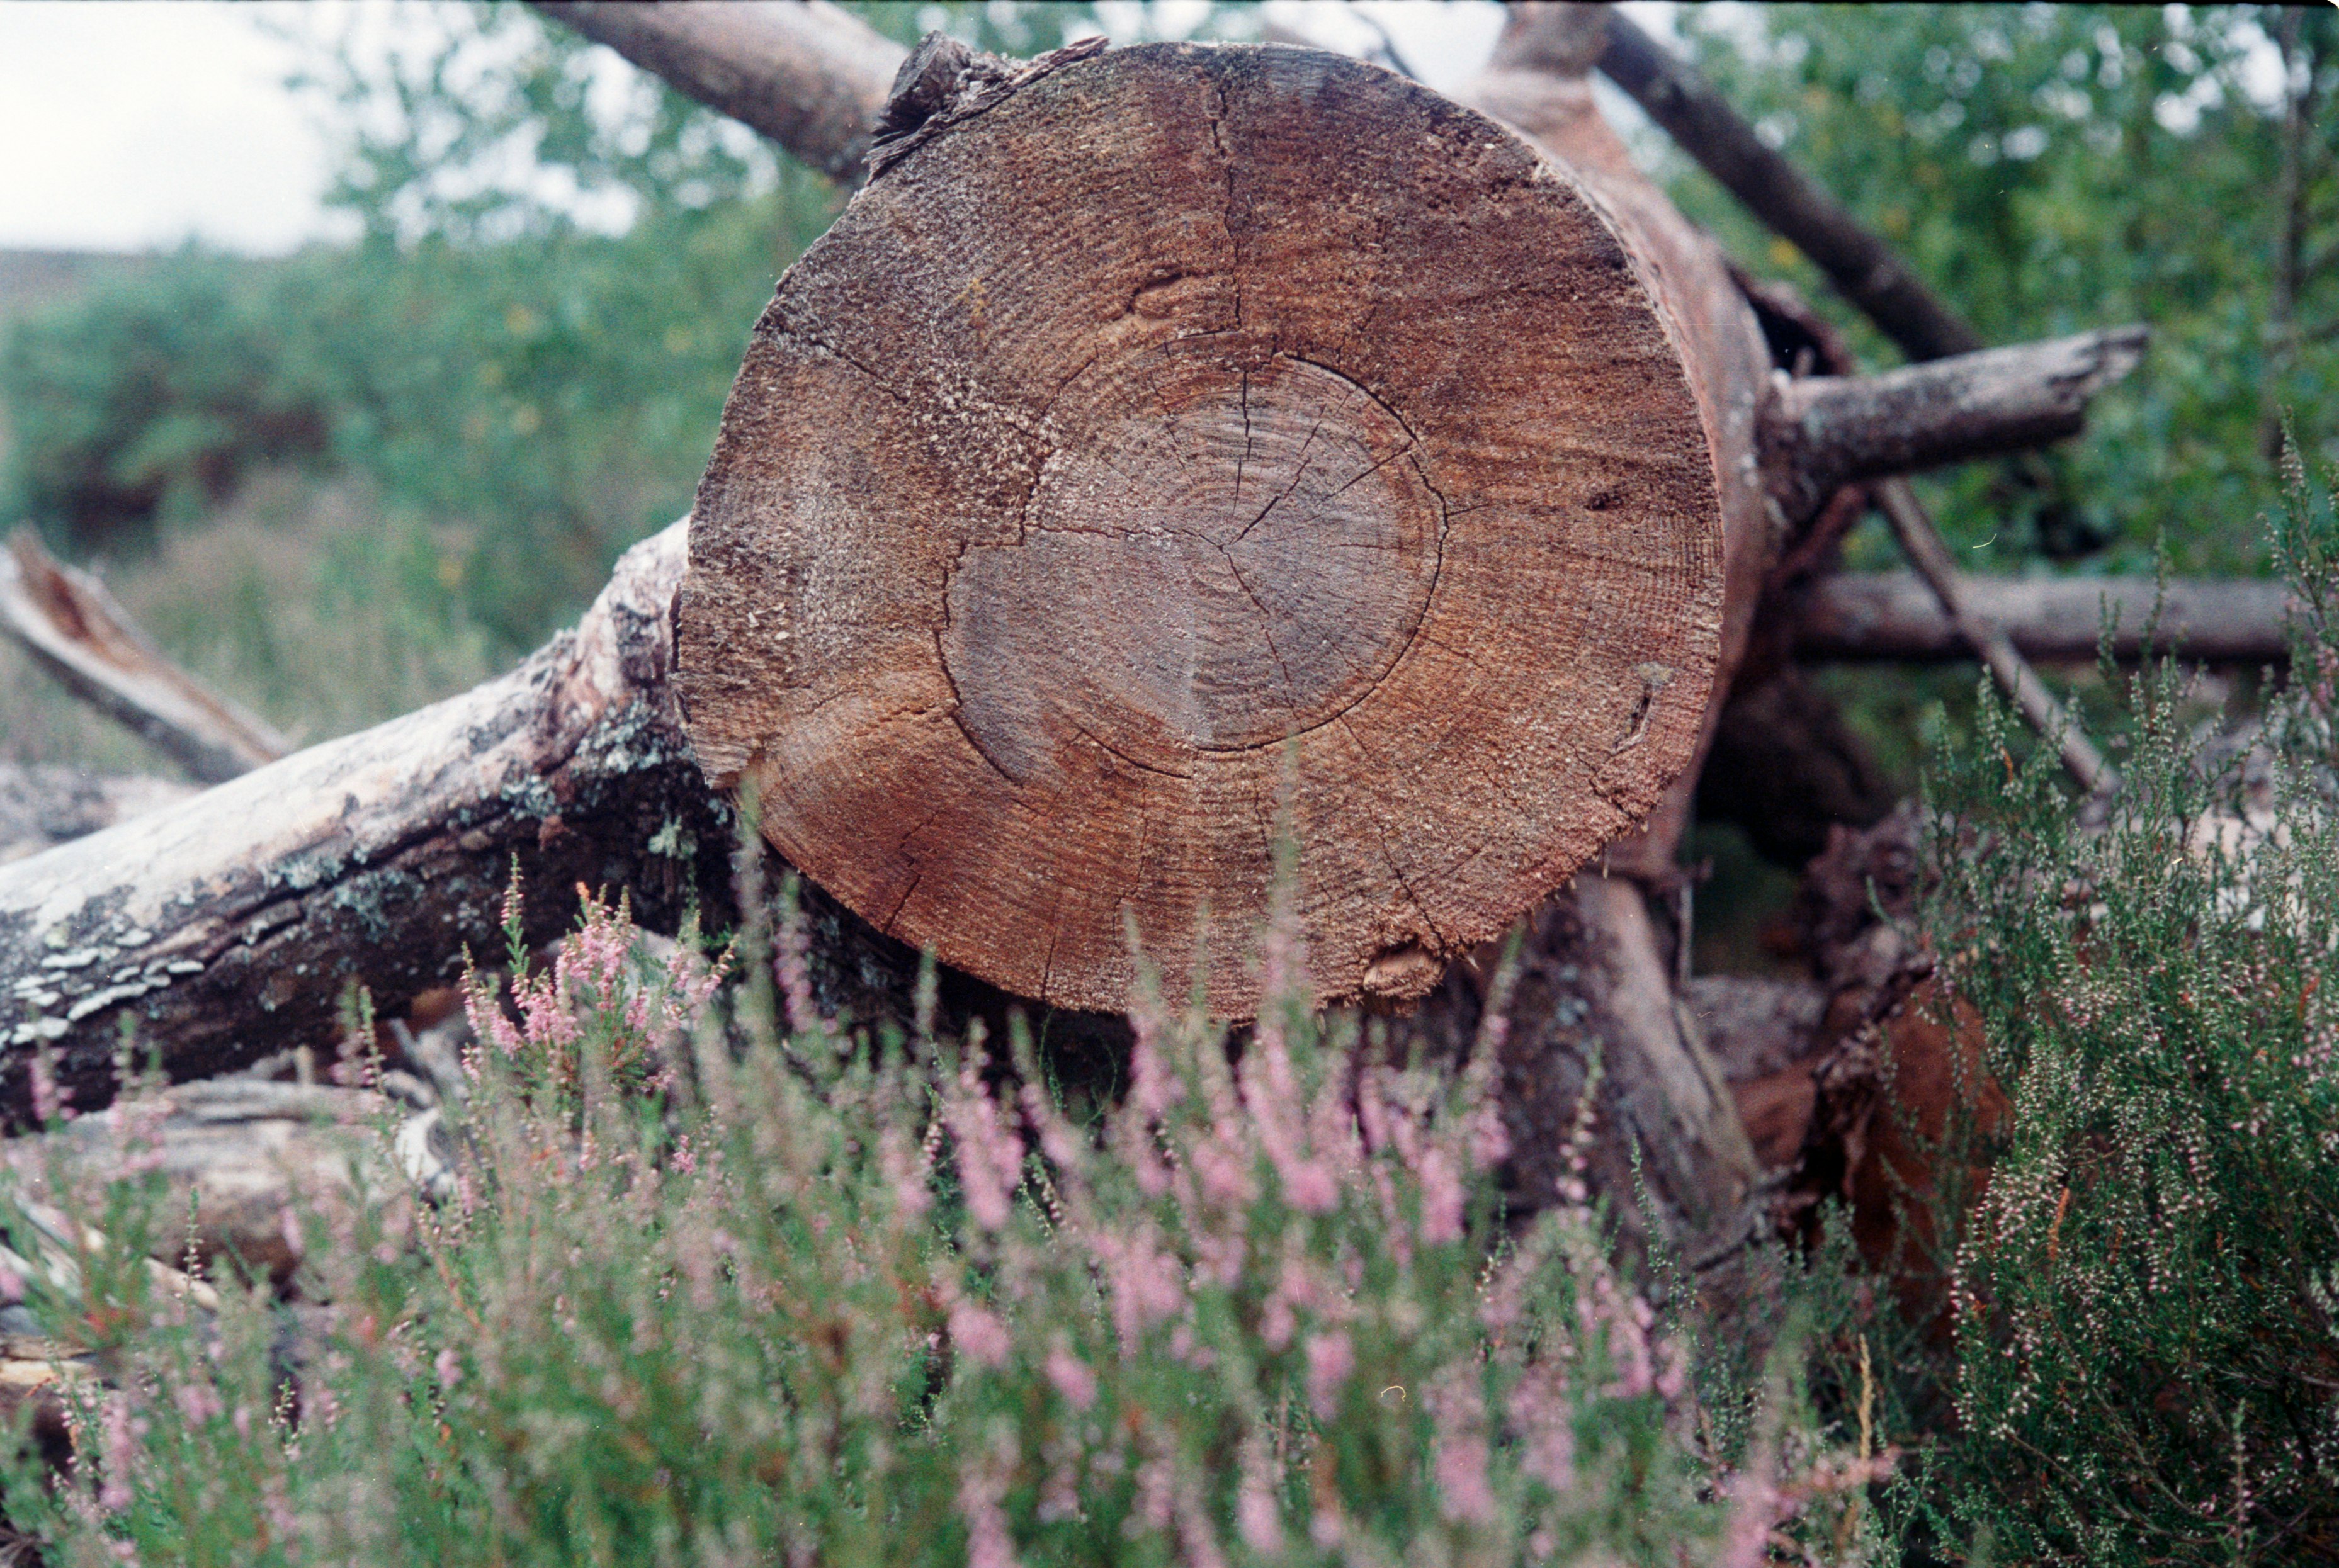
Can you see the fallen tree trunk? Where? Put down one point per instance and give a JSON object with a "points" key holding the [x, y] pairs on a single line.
{"points": [[224, 927], [1162, 518], [1887, 616], [1058, 670]]}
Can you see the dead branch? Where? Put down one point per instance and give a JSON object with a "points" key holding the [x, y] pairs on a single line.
{"points": [[1820, 432], [66, 619], [1677, 96], [1894, 615], [1929, 553], [230, 923], [810, 75]]}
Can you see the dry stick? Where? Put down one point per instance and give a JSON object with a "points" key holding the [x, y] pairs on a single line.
{"points": [[1923, 544], [1894, 616], [1679, 98], [1871, 277], [68, 622]]}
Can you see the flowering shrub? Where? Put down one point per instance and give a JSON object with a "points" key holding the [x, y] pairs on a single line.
{"points": [[712, 1291], [2145, 1359]]}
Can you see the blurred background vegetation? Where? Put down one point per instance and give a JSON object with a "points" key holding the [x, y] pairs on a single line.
{"points": [[344, 482]]}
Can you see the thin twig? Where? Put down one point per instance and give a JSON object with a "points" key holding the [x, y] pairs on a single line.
{"points": [[1929, 553]]}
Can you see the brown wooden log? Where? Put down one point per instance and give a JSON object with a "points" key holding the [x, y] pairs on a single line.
{"points": [[1894, 616], [810, 75], [1192, 435], [67, 621], [1822, 432]]}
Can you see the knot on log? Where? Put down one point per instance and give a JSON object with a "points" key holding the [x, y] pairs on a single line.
{"points": [[944, 83]]}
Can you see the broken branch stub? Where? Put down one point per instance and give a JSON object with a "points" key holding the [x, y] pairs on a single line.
{"points": [[1186, 438], [67, 621]]}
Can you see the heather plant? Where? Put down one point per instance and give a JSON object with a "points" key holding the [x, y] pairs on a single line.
{"points": [[717, 1280], [2144, 1359]]}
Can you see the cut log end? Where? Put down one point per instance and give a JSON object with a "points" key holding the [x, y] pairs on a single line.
{"points": [[1194, 439]]}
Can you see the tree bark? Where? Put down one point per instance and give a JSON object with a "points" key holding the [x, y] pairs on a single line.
{"points": [[1822, 432], [229, 924], [810, 75], [1895, 616]]}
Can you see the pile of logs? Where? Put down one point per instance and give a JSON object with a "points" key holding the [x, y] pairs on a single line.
{"points": [[1168, 446]]}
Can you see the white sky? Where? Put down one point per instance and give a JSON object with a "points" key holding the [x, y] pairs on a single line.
{"points": [[140, 123]]}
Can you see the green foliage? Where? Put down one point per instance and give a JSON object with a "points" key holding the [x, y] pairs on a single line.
{"points": [[490, 365], [2144, 1352], [2052, 168], [693, 1296]]}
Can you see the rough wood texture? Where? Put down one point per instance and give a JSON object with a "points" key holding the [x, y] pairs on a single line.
{"points": [[1537, 81], [71, 625], [1820, 432], [1894, 615], [228, 924], [1190, 431], [810, 75]]}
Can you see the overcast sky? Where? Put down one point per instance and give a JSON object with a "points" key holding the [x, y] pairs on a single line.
{"points": [[140, 123]]}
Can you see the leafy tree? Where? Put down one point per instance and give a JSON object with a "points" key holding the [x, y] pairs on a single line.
{"points": [[2050, 169]]}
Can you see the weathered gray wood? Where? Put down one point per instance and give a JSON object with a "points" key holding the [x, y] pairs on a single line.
{"points": [[41, 807], [1189, 435], [1895, 616], [810, 75], [228, 924], [1819, 432], [68, 622]]}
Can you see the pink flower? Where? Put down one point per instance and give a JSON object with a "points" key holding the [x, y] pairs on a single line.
{"points": [[449, 1368], [197, 1401], [1071, 1376], [1441, 1198], [989, 1153], [118, 1444], [988, 1543], [1257, 1516], [1331, 1359], [1459, 1413], [978, 1332]]}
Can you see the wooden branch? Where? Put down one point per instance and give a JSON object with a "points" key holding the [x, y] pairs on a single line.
{"points": [[1820, 432], [1677, 96], [1927, 551], [68, 622], [810, 75], [41, 807], [226, 925], [1895, 616]]}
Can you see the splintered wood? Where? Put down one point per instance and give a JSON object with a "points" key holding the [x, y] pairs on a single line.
{"points": [[1186, 441]]}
